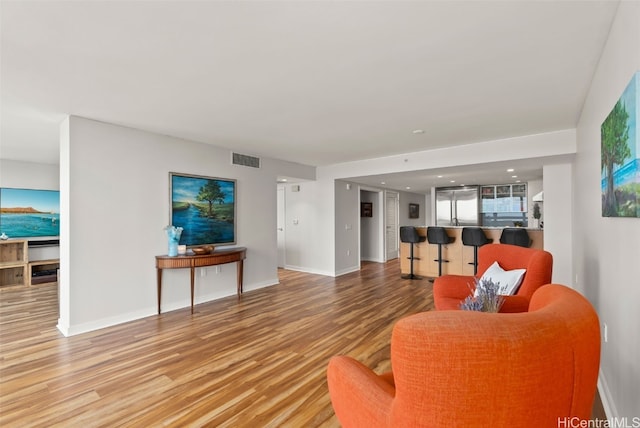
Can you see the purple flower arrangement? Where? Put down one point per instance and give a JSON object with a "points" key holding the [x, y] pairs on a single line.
{"points": [[485, 297]]}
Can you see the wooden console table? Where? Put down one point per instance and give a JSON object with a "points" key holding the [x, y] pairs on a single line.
{"points": [[192, 261]]}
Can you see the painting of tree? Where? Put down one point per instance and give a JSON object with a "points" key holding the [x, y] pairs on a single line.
{"points": [[211, 193], [620, 151], [204, 207], [614, 137]]}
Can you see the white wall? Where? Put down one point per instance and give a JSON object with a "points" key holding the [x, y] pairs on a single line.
{"points": [[114, 206], [309, 228], [347, 219], [558, 227], [29, 175], [407, 198], [371, 239], [607, 250]]}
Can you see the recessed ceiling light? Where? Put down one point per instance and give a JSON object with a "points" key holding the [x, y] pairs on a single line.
{"points": [[383, 182], [453, 181], [517, 181], [439, 176], [514, 176], [510, 170], [408, 187], [418, 131]]}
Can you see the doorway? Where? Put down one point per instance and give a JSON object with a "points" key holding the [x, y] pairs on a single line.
{"points": [[372, 227], [391, 225], [280, 222]]}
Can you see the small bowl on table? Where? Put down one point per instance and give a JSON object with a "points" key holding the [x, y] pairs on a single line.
{"points": [[206, 249]]}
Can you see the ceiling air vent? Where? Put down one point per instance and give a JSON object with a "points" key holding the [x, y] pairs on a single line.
{"points": [[245, 160]]}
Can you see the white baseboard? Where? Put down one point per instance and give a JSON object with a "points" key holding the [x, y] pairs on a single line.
{"points": [[372, 259], [605, 395], [308, 270], [261, 284], [347, 270], [72, 330]]}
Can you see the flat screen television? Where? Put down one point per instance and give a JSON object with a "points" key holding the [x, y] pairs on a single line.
{"points": [[29, 213], [204, 207]]}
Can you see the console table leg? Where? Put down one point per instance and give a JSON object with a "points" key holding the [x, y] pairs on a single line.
{"points": [[193, 274], [159, 288], [240, 272]]}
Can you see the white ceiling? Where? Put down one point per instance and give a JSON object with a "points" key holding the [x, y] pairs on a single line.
{"points": [[314, 82], [506, 172]]}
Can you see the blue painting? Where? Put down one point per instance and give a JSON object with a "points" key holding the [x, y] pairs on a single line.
{"points": [[29, 213], [204, 207], [620, 155]]}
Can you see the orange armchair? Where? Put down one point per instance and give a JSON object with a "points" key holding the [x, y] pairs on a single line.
{"points": [[474, 369], [450, 290]]}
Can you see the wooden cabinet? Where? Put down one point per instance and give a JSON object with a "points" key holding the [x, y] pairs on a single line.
{"points": [[41, 272], [13, 262], [17, 270]]}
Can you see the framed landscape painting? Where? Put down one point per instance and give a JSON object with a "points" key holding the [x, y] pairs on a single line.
{"points": [[204, 207], [620, 155]]}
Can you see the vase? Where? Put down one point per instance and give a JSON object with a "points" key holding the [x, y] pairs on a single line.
{"points": [[173, 235]]}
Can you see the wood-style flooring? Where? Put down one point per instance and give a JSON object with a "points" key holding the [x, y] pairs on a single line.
{"points": [[254, 361]]}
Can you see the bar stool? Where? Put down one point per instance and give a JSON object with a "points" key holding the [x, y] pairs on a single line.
{"points": [[475, 237], [438, 235], [515, 236], [409, 234]]}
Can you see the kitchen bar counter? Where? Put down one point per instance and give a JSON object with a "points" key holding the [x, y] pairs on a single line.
{"points": [[459, 255]]}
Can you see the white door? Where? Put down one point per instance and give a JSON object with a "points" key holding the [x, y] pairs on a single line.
{"points": [[280, 225], [391, 222]]}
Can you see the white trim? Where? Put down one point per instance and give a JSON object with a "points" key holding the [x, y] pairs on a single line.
{"points": [[347, 270], [371, 259], [309, 270], [107, 322], [148, 312], [610, 410]]}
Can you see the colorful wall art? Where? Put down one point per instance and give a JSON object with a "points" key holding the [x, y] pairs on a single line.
{"points": [[204, 207], [620, 155]]}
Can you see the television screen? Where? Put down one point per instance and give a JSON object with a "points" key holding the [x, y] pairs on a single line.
{"points": [[29, 213], [204, 207]]}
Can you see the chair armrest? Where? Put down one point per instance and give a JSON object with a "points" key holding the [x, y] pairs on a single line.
{"points": [[360, 397]]}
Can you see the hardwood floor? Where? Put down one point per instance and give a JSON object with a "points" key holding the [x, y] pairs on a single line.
{"points": [[254, 361]]}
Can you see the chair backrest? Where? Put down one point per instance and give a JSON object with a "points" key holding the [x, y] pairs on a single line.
{"points": [[438, 235], [410, 234], [538, 264], [474, 236], [515, 236], [464, 368]]}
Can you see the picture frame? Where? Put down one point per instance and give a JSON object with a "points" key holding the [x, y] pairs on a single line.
{"points": [[366, 209], [205, 207], [414, 210]]}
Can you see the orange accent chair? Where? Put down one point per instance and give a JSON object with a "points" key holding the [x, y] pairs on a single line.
{"points": [[474, 369], [450, 290]]}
